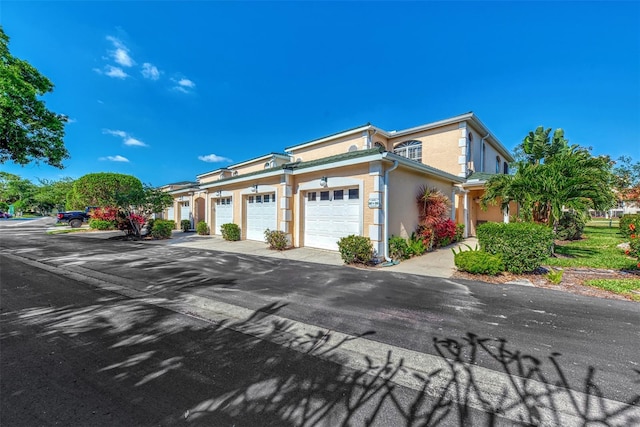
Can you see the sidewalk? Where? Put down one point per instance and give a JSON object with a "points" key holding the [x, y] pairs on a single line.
{"points": [[435, 264], [438, 263]]}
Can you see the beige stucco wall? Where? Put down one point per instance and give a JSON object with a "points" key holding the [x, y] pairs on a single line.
{"points": [[439, 147], [403, 189], [330, 148]]}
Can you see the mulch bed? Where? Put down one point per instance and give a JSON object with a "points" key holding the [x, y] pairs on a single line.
{"points": [[572, 280]]}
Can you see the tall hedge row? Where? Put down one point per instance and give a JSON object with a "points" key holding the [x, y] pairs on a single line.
{"points": [[524, 246]]}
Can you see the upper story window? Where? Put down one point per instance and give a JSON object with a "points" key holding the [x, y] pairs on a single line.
{"points": [[379, 144], [409, 149], [505, 169], [469, 142], [497, 164]]}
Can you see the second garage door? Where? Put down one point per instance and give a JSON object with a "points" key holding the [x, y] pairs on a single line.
{"points": [[261, 214], [330, 215], [224, 212]]}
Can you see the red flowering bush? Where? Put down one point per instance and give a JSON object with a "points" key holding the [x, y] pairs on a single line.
{"points": [[445, 233], [104, 214], [130, 224]]}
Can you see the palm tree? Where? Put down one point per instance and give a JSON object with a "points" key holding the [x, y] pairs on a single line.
{"points": [[553, 176]]}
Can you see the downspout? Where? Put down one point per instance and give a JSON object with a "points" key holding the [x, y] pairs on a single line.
{"points": [[385, 244]]}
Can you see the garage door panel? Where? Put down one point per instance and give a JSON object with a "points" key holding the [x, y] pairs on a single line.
{"points": [[260, 215], [224, 212], [326, 221]]}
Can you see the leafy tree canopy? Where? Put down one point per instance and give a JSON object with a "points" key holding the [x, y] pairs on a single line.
{"points": [[105, 189], [627, 178], [28, 130]]}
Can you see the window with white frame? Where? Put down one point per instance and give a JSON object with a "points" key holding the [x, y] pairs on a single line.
{"points": [[409, 149], [497, 164]]}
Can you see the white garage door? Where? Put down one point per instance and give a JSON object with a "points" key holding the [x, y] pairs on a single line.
{"points": [[261, 214], [185, 211], [224, 212], [330, 215], [170, 216]]}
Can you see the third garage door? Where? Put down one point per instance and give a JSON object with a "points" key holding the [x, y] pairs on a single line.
{"points": [[261, 214], [330, 215]]}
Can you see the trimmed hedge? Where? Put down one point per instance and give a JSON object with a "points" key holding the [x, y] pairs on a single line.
{"points": [[524, 246], [101, 224], [230, 231], [626, 220], [162, 228], [355, 249], [479, 262], [185, 225]]}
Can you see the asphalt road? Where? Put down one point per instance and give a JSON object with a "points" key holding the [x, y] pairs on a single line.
{"points": [[106, 332]]}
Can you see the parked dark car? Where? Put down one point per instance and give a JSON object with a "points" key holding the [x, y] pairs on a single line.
{"points": [[75, 218]]}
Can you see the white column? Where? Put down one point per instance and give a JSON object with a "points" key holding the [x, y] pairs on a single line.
{"points": [[466, 214]]}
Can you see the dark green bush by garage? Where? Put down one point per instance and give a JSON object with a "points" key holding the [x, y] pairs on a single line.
{"points": [[162, 228], [524, 246], [479, 262], [230, 231], [355, 249]]}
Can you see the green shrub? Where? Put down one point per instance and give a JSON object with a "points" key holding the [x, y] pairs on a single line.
{"points": [[523, 245], [570, 226], [355, 249], [479, 262], [162, 228], [276, 239], [202, 228], [230, 231], [626, 221], [185, 225], [555, 276], [415, 245], [149, 224], [398, 248], [101, 224], [459, 232]]}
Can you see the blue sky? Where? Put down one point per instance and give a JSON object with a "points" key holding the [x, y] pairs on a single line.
{"points": [[169, 90]]}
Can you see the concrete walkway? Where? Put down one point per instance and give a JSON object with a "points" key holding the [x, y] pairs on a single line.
{"points": [[438, 263]]}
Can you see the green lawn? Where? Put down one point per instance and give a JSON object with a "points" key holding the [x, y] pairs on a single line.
{"points": [[619, 286], [597, 249]]}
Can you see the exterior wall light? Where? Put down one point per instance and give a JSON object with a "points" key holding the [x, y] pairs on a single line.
{"points": [[323, 181]]}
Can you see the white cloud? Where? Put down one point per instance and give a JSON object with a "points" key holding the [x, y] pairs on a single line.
{"points": [[121, 53], [183, 85], [186, 83], [116, 158], [120, 133], [132, 142], [115, 72], [150, 71], [213, 158], [126, 138]]}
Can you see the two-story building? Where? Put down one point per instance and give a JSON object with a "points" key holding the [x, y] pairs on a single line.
{"points": [[361, 181]]}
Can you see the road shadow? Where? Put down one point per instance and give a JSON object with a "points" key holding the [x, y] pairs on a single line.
{"points": [[265, 370]]}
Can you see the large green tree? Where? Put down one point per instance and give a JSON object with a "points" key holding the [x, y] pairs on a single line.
{"points": [[28, 130], [104, 189], [16, 191], [627, 179], [551, 176]]}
